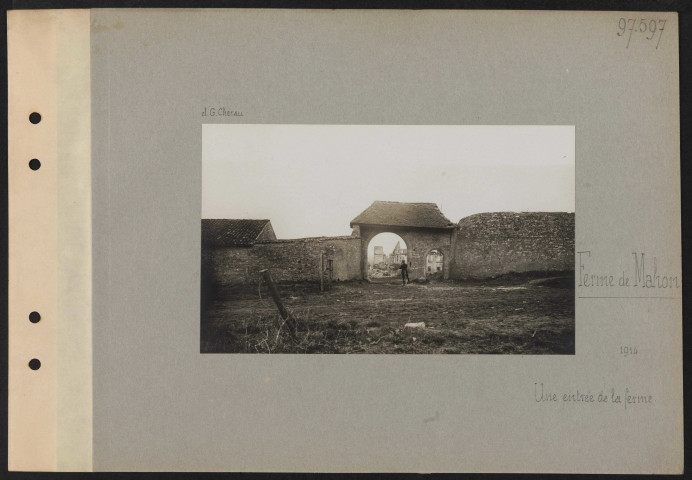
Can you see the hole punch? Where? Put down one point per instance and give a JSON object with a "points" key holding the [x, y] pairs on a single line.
{"points": [[35, 117], [34, 317], [34, 164], [34, 364]]}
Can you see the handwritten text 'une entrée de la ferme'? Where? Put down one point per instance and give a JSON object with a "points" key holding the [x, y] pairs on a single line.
{"points": [[610, 396]]}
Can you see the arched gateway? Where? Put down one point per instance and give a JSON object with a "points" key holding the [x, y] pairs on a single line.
{"points": [[422, 226]]}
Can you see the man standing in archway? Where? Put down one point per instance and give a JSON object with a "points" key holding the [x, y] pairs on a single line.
{"points": [[404, 272]]}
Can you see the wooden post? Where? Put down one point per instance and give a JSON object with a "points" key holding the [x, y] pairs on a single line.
{"points": [[321, 272], [290, 321]]}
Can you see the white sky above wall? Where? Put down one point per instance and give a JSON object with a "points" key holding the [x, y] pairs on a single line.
{"points": [[312, 180]]}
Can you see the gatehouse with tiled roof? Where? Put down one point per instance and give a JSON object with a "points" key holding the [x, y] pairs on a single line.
{"points": [[422, 226]]}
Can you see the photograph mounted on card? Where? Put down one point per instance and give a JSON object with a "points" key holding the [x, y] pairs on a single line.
{"points": [[443, 222], [310, 231]]}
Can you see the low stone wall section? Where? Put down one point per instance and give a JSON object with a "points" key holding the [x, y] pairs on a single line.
{"points": [[295, 260]]}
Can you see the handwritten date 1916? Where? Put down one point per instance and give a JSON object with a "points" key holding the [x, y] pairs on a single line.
{"points": [[642, 27]]}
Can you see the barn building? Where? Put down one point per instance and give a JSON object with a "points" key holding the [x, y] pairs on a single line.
{"points": [[218, 233]]}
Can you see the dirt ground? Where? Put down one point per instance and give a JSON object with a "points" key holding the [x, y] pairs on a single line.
{"points": [[512, 315]]}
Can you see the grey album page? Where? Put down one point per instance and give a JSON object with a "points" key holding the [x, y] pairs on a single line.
{"points": [[386, 241]]}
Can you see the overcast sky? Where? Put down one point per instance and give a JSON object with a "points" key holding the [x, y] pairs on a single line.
{"points": [[312, 180]]}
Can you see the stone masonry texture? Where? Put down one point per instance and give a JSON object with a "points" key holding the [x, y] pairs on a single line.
{"points": [[491, 244], [288, 260]]}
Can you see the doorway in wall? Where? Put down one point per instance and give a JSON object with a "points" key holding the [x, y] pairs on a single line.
{"points": [[434, 264]]}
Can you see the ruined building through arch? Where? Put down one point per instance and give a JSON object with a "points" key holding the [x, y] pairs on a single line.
{"points": [[386, 251]]}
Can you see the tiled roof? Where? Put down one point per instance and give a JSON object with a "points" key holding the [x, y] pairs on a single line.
{"points": [[401, 214], [231, 233]]}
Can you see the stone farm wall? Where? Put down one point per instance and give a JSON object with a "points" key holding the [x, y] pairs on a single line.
{"points": [[491, 244], [288, 260]]}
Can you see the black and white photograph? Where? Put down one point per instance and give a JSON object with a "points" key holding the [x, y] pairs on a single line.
{"points": [[387, 239], [459, 230]]}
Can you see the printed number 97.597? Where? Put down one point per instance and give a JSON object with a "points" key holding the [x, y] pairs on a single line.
{"points": [[646, 28]]}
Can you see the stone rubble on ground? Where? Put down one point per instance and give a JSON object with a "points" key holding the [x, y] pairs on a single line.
{"points": [[415, 325]]}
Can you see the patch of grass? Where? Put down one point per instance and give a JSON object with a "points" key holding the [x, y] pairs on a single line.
{"points": [[436, 340], [369, 318]]}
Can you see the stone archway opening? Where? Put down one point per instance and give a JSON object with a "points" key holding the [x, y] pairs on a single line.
{"points": [[434, 264], [385, 252]]}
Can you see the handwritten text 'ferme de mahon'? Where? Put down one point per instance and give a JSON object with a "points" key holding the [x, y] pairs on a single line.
{"points": [[646, 274], [613, 397]]}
